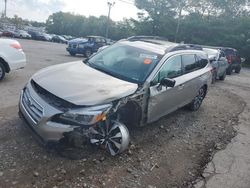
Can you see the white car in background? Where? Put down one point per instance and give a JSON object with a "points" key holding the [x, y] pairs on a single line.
{"points": [[22, 34], [12, 56]]}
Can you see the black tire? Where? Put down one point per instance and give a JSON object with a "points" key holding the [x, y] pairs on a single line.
{"points": [[238, 69], [229, 70], [197, 101], [2, 71], [72, 54], [88, 53], [214, 76], [223, 76]]}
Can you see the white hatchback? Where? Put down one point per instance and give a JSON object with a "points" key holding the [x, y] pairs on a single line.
{"points": [[12, 56]]}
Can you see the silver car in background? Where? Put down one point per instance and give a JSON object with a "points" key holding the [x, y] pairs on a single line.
{"points": [[219, 63], [131, 83]]}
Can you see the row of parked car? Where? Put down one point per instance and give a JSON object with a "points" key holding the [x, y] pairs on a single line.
{"points": [[36, 35], [132, 82]]}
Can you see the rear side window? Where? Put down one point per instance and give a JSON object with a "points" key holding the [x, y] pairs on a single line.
{"points": [[202, 60], [190, 63], [98, 40]]}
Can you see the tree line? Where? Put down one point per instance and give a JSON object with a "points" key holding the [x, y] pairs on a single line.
{"points": [[207, 22]]}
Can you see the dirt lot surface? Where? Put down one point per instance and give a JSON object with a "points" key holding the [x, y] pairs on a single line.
{"points": [[172, 152]]}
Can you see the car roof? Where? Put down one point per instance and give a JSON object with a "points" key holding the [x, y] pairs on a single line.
{"points": [[155, 48], [219, 48], [159, 45], [93, 36]]}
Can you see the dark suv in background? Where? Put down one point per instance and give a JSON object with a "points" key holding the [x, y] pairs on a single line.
{"points": [[86, 46], [233, 59]]}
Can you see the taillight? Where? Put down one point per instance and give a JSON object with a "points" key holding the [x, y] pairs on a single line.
{"points": [[16, 45]]}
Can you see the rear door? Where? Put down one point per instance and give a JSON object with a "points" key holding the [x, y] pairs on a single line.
{"points": [[190, 77]]}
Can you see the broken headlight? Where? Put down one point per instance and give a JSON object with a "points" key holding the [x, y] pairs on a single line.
{"points": [[87, 116]]}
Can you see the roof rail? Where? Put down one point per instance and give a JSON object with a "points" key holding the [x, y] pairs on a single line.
{"points": [[144, 37], [186, 47]]}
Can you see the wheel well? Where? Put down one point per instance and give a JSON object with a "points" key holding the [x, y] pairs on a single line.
{"points": [[5, 64], [130, 114], [205, 87]]}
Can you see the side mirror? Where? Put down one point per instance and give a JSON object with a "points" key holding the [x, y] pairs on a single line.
{"points": [[167, 82]]}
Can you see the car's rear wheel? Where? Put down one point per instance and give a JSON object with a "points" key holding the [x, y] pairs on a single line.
{"points": [[197, 101], [223, 76], [229, 70], [110, 135], [2, 71], [88, 53], [238, 69], [72, 54], [214, 76]]}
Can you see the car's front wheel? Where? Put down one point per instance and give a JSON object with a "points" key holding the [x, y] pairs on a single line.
{"points": [[72, 54], [2, 71], [88, 53], [110, 135], [197, 101], [238, 69]]}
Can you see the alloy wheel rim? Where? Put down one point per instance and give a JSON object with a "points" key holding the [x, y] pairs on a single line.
{"points": [[199, 98], [112, 136]]}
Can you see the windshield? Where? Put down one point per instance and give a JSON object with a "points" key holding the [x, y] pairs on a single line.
{"points": [[125, 62]]}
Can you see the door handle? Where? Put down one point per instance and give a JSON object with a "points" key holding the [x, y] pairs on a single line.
{"points": [[180, 87]]}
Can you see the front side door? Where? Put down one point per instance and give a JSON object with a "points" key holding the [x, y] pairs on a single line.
{"points": [[164, 100]]}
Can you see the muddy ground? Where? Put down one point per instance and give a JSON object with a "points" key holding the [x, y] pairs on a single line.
{"points": [[169, 153]]}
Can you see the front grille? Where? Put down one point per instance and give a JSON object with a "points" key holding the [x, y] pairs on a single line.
{"points": [[51, 99], [33, 108]]}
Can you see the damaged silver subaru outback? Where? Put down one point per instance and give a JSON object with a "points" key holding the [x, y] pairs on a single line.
{"points": [[131, 83]]}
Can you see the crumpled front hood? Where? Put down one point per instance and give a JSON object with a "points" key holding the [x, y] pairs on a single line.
{"points": [[82, 85]]}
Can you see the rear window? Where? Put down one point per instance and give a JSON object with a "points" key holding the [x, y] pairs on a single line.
{"points": [[190, 63], [230, 52]]}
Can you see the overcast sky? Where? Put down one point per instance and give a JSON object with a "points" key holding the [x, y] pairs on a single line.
{"points": [[39, 10]]}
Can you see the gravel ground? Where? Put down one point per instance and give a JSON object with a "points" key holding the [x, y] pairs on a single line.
{"points": [[169, 153]]}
